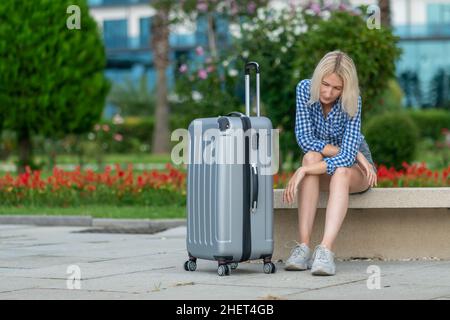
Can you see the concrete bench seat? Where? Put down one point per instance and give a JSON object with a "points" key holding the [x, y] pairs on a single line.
{"points": [[383, 223]]}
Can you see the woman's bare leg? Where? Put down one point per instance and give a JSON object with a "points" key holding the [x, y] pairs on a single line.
{"points": [[343, 181], [308, 198]]}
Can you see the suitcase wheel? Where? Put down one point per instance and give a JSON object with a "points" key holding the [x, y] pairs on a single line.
{"points": [[233, 265], [190, 265], [223, 270], [269, 268]]}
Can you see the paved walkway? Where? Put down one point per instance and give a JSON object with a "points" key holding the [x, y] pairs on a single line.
{"points": [[36, 263]]}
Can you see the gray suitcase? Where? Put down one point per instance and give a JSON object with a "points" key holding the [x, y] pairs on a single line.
{"points": [[230, 188]]}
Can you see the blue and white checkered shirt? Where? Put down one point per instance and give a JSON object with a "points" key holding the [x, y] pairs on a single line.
{"points": [[314, 132]]}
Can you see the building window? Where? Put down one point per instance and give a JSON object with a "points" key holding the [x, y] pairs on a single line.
{"points": [[438, 19], [144, 34], [115, 33]]}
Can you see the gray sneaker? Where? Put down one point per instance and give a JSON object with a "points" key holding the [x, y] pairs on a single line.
{"points": [[323, 264], [300, 258]]}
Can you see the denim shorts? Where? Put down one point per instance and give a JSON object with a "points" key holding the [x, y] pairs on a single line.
{"points": [[364, 149]]}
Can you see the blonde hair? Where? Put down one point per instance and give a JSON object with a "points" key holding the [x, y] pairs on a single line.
{"points": [[341, 64]]}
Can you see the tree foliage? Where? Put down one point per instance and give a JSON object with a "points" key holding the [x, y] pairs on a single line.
{"points": [[51, 77], [288, 44]]}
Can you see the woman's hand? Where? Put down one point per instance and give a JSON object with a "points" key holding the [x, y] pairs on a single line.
{"points": [[292, 187], [367, 168]]}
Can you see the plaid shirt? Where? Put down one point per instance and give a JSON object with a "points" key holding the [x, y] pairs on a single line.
{"points": [[314, 132]]}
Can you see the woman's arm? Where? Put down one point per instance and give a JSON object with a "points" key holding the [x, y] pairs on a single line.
{"points": [[300, 173], [320, 168], [315, 168], [304, 132], [350, 144], [331, 151], [360, 158]]}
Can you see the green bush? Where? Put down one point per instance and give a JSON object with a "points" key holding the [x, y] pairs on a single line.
{"points": [[431, 122], [136, 134], [288, 45], [209, 96], [392, 138], [373, 51], [391, 100], [134, 98]]}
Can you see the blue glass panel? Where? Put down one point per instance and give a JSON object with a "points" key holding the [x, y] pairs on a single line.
{"points": [[423, 59], [115, 33], [144, 36]]}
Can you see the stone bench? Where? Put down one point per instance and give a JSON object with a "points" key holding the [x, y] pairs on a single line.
{"points": [[383, 223]]}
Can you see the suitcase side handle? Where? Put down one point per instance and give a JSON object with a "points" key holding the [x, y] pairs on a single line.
{"points": [[248, 67], [235, 114], [255, 189]]}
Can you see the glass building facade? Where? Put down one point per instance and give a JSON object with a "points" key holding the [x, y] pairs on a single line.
{"points": [[423, 70], [129, 56]]}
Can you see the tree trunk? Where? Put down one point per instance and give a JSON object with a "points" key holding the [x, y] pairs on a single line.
{"points": [[385, 12], [161, 50], [212, 36], [25, 149]]}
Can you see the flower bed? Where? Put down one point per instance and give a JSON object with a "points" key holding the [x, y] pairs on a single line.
{"points": [[118, 187], [156, 188], [415, 175]]}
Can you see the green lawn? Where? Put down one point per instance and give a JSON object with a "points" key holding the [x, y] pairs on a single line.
{"points": [[125, 212], [150, 161], [107, 158], [119, 158]]}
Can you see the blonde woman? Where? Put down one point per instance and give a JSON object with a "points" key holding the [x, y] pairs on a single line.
{"points": [[336, 157]]}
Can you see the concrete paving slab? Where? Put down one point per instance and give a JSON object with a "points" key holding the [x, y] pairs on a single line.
{"points": [[360, 291], [176, 285], [65, 294], [219, 292], [11, 284], [34, 262]]}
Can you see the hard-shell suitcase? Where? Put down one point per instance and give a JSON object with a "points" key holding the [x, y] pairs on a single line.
{"points": [[230, 188]]}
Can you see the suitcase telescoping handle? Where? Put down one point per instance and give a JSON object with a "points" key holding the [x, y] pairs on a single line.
{"points": [[254, 170], [248, 67]]}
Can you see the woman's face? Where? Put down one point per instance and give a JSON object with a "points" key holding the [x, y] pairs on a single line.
{"points": [[330, 88]]}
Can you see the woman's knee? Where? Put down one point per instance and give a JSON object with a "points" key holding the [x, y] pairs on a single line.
{"points": [[311, 157], [343, 172]]}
